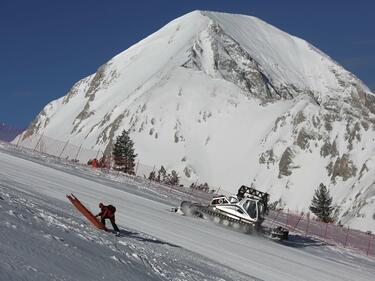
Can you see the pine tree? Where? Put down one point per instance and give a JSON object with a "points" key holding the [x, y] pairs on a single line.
{"points": [[205, 187], [173, 178], [162, 174], [152, 176], [321, 204], [123, 153]]}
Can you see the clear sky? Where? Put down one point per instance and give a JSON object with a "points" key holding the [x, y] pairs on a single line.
{"points": [[46, 46]]}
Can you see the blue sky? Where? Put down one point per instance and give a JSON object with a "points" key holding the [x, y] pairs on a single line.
{"points": [[46, 46]]}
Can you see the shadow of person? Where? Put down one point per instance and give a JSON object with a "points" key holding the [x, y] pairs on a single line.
{"points": [[139, 237]]}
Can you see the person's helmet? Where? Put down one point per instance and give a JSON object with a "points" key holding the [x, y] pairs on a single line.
{"points": [[101, 205]]}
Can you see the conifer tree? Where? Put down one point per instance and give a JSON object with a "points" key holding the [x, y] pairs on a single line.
{"points": [[173, 178], [321, 204], [123, 153], [152, 176], [162, 174]]}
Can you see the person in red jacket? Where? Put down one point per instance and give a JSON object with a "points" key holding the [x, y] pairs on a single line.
{"points": [[108, 212], [95, 163]]}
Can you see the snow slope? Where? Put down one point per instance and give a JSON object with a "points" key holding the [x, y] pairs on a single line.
{"points": [[50, 240], [47, 239], [230, 100]]}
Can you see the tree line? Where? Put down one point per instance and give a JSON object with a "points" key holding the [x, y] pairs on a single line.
{"points": [[124, 159]]}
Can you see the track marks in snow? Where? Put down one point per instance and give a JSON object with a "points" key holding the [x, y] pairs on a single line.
{"points": [[49, 240]]}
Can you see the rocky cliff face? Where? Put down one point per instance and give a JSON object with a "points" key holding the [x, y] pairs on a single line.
{"points": [[230, 100]]}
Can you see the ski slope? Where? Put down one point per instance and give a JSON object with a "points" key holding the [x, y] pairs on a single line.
{"points": [[206, 250]]}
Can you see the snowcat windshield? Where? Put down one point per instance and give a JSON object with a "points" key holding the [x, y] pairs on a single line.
{"points": [[251, 208]]}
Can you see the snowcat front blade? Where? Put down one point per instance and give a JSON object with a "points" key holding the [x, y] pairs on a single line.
{"points": [[86, 212]]}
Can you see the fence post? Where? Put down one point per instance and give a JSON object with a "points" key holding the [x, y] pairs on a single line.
{"points": [[62, 151], [294, 228], [308, 223], [38, 142], [369, 244], [153, 170], [192, 190], [97, 154], [217, 192], [19, 139], [346, 238], [111, 162], [325, 232], [274, 219], [136, 167], [78, 151]]}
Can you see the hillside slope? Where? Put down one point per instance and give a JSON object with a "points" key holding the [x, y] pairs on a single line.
{"points": [[48, 239]]}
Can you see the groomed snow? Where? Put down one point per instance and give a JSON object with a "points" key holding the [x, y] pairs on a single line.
{"points": [[50, 240]]}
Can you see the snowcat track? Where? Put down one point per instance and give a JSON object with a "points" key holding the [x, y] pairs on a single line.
{"points": [[230, 219]]}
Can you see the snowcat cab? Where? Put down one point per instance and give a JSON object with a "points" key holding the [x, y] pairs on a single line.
{"points": [[250, 207]]}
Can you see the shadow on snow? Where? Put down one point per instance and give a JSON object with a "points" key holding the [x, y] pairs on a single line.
{"points": [[298, 241], [136, 235]]}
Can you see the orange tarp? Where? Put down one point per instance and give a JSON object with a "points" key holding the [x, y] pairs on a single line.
{"points": [[86, 212]]}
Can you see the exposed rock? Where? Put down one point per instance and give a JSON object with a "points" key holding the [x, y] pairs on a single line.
{"points": [[36, 125], [344, 168], [329, 169], [234, 64], [364, 170], [280, 122], [267, 157], [101, 79], [304, 138], [299, 118], [285, 163], [75, 89], [365, 125], [353, 133], [316, 121], [188, 171], [328, 120], [84, 114], [329, 149], [108, 134]]}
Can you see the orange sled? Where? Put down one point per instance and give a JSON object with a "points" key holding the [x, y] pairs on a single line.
{"points": [[86, 212]]}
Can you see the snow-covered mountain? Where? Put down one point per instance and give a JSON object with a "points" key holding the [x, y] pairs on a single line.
{"points": [[230, 100]]}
